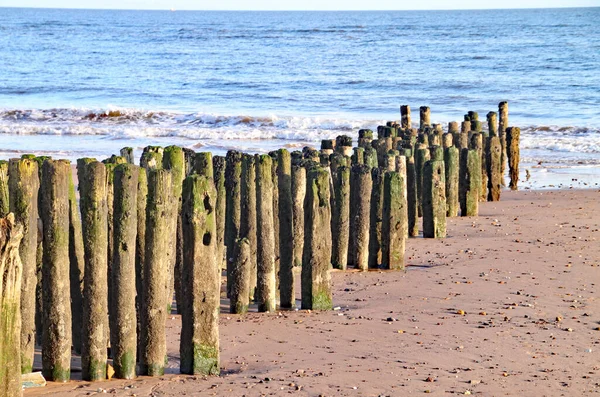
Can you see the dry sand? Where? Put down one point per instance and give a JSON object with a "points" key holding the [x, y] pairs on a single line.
{"points": [[507, 304]]}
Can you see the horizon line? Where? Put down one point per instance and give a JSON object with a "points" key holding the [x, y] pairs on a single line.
{"points": [[297, 10]]}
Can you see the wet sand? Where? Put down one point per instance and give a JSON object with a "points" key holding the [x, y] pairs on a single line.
{"points": [[507, 304]]}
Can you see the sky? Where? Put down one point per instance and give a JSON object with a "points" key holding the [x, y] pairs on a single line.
{"points": [[298, 4]]}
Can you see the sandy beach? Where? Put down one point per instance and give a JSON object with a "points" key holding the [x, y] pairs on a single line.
{"points": [[507, 304]]}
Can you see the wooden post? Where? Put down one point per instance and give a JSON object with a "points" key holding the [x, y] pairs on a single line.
{"points": [[447, 140], [123, 335], [394, 225], [275, 195], [56, 333], [365, 136], [358, 155], [434, 199], [219, 178], [140, 255], [199, 345], [421, 156], [286, 238], [316, 258], [371, 157], [24, 185], [340, 222], [152, 157], [154, 309], [265, 256], [327, 146], [10, 298], [513, 135], [424, 116], [494, 154], [502, 126], [233, 170], [360, 206], [469, 183], [411, 194], [451, 164], [240, 277], [248, 213], [94, 214], [4, 194], [376, 210], [405, 122], [492, 120], [298, 194], [127, 154], [343, 145], [203, 164]]}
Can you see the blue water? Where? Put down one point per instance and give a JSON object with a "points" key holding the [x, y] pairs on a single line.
{"points": [[219, 80]]}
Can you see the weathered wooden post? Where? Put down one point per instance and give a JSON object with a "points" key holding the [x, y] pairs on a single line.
{"points": [[174, 161], [434, 199], [390, 161], [265, 256], [358, 155], [201, 281], [124, 336], [233, 171], [219, 178], [421, 156], [327, 146], [493, 155], [447, 140], [239, 298], [340, 229], [316, 258], [394, 225], [286, 238], [513, 135], [424, 116], [275, 194], [405, 122], [360, 207], [298, 194], [189, 157], [248, 205], [4, 194], [451, 164], [411, 193], [154, 309], [24, 185], [469, 182], [371, 157], [343, 145], [39, 310], [502, 126], [94, 215], [375, 214], [365, 136], [56, 333], [127, 154], [152, 157], [10, 298], [492, 120], [203, 164], [140, 253]]}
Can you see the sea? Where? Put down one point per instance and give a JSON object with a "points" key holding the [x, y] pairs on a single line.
{"points": [[84, 83]]}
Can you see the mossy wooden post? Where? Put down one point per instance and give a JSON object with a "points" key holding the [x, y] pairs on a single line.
{"points": [[265, 244], [248, 213], [127, 154], [411, 194], [502, 126], [390, 161], [476, 143], [4, 194], [24, 185], [233, 170], [365, 136], [493, 157], [287, 299], [492, 121], [10, 315], [343, 145], [340, 229], [358, 155], [376, 211], [465, 126], [424, 117], [434, 199], [56, 333], [189, 156], [154, 309], [174, 161], [513, 135], [298, 194], [275, 193], [203, 164], [316, 258], [393, 228], [124, 336], [152, 157], [469, 183], [421, 157], [94, 215], [405, 122], [140, 252], [360, 208], [327, 146], [239, 298], [219, 179], [451, 164], [371, 157], [201, 276], [447, 140]]}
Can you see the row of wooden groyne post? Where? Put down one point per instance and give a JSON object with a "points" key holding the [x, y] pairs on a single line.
{"points": [[101, 270]]}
